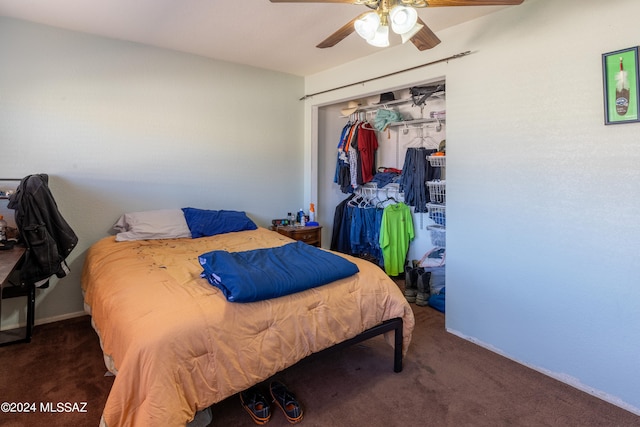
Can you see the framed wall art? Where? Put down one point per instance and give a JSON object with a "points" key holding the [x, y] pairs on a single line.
{"points": [[620, 78]]}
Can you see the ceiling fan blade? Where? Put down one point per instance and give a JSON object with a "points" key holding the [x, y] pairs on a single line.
{"points": [[437, 3], [339, 35], [425, 38], [312, 1]]}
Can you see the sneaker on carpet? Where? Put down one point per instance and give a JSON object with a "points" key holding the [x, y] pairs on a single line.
{"points": [[256, 405], [286, 401]]}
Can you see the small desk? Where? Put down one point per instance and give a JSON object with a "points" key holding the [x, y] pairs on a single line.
{"points": [[10, 262]]}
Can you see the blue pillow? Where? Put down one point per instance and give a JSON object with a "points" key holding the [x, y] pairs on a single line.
{"points": [[203, 222]]}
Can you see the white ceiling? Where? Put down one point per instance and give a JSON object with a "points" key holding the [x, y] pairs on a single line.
{"points": [[275, 36]]}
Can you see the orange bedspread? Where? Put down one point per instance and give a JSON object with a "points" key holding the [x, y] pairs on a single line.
{"points": [[178, 345]]}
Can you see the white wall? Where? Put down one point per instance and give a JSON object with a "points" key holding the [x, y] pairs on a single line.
{"points": [[542, 198], [121, 127]]}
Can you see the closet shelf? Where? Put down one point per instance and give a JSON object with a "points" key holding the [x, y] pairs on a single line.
{"points": [[416, 121], [438, 94]]}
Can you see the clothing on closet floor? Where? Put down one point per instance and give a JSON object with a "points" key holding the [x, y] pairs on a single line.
{"points": [[396, 232], [415, 174]]}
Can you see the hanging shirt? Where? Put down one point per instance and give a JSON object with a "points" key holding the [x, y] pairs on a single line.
{"points": [[367, 146], [396, 232], [353, 165], [343, 174], [342, 227], [339, 162], [347, 161]]}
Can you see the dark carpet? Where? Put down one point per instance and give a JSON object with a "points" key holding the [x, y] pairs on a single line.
{"points": [[446, 381]]}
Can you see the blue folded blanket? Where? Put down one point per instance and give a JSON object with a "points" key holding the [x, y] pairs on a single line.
{"points": [[261, 274]]}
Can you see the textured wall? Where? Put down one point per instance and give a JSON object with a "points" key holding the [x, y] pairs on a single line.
{"points": [[542, 197], [121, 127]]}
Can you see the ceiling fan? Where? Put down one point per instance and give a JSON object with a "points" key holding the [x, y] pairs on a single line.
{"points": [[400, 15]]}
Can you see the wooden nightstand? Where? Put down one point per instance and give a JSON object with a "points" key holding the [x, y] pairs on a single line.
{"points": [[309, 235]]}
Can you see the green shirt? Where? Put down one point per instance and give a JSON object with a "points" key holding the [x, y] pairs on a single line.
{"points": [[396, 232]]}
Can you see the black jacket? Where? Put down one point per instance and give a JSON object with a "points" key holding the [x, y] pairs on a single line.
{"points": [[48, 237]]}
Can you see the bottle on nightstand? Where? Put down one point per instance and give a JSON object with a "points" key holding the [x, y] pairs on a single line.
{"points": [[312, 213]]}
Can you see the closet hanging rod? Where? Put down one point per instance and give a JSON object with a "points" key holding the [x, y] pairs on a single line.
{"points": [[405, 123], [438, 128], [456, 56]]}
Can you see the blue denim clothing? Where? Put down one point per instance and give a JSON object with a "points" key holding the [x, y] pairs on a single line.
{"points": [[339, 162], [384, 178], [415, 174], [356, 230], [340, 238], [377, 226], [363, 230]]}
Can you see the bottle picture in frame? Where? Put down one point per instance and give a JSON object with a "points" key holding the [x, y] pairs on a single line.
{"points": [[620, 79]]}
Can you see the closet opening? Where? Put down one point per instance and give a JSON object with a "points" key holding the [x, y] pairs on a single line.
{"points": [[381, 179]]}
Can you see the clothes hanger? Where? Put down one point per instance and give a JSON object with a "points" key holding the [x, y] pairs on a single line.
{"points": [[420, 138], [354, 202], [367, 125], [423, 139], [374, 200], [387, 199], [434, 144], [363, 202], [370, 194]]}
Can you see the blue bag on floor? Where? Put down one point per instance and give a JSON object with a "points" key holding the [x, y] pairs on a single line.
{"points": [[437, 301]]}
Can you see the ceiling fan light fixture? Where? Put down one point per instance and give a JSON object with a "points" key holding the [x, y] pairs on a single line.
{"points": [[381, 37], [412, 32], [367, 25], [403, 19]]}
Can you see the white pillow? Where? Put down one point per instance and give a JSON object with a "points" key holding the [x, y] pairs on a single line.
{"points": [[149, 225]]}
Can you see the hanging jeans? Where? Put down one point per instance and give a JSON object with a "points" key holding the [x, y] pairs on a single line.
{"points": [[415, 174], [364, 235]]}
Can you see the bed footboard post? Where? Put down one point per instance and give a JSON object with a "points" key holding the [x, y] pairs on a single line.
{"points": [[397, 347], [394, 325]]}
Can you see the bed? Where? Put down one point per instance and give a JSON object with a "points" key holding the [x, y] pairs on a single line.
{"points": [[177, 345]]}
